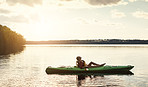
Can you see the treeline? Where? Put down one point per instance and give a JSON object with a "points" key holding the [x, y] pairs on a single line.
{"points": [[96, 41], [10, 41]]}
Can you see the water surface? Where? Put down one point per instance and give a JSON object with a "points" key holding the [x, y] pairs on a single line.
{"points": [[27, 69]]}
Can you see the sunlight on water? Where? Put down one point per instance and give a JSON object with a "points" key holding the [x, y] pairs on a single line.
{"points": [[27, 69]]}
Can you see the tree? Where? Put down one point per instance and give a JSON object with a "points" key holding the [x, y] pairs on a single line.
{"points": [[10, 41]]}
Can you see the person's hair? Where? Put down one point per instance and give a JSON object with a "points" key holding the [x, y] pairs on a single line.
{"points": [[78, 57]]}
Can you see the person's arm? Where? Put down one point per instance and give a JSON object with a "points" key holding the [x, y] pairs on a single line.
{"points": [[77, 63], [85, 64]]}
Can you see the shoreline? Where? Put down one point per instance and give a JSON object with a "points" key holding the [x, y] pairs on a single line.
{"points": [[97, 41]]}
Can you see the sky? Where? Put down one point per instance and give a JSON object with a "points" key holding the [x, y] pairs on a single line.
{"points": [[76, 19]]}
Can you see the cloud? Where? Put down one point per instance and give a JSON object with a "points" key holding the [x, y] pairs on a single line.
{"points": [[140, 14], [83, 21], [13, 19], [103, 2], [25, 2], [98, 22], [66, 0], [116, 14], [96, 2], [132, 0], [4, 11], [137, 0]]}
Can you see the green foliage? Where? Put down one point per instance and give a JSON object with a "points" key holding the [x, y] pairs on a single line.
{"points": [[10, 41]]}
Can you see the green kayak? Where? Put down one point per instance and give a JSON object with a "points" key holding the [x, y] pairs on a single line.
{"points": [[102, 69]]}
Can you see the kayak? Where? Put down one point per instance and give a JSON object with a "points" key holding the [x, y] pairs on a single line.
{"points": [[102, 69]]}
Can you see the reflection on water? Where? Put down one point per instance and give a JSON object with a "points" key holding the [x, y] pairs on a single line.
{"points": [[90, 79], [81, 78], [27, 69], [99, 79], [4, 59], [7, 50]]}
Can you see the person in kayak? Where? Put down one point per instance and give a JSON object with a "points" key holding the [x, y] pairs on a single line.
{"points": [[81, 63]]}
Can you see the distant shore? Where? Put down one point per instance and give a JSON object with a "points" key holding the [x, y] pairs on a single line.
{"points": [[96, 41]]}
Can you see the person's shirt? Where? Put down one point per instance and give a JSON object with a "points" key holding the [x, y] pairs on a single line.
{"points": [[81, 64]]}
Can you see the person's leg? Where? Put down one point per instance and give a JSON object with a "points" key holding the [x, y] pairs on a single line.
{"points": [[102, 64], [92, 63]]}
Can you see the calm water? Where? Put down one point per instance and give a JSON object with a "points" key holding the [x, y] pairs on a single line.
{"points": [[27, 69]]}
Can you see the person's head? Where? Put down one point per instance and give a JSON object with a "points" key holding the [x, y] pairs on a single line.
{"points": [[78, 58]]}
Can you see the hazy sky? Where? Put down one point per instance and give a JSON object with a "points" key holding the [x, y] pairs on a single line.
{"points": [[76, 19]]}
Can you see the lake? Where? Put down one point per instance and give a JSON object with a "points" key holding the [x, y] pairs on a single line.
{"points": [[27, 69]]}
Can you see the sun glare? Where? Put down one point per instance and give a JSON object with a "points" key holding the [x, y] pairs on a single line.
{"points": [[42, 30]]}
